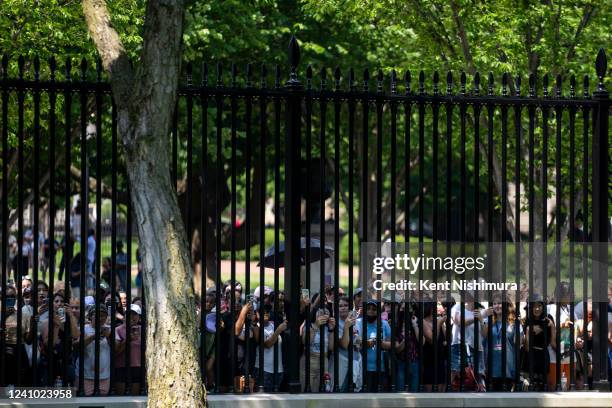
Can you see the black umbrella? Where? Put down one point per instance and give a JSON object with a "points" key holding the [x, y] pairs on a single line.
{"points": [[315, 253]]}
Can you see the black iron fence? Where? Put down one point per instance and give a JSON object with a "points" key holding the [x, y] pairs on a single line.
{"points": [[279, 186]]}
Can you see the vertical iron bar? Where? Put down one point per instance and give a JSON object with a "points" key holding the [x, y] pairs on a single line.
{"points": [[113, 275], [233, 192], [218, 210], [292, 208], [517, 233], [350, 211], [572, 227], [379, 188], [531, 200], [448, 217], [393, 106], [601, 225], [585, 209], [364, 214], [504, 225], [277, 211], [5, 209], [83, 190], [36, 229], [20, 232], [337, 107], [558, 222], [98, 257], [52, 210], [203, 223], [262, 232], [462, 235], [248, 220]]}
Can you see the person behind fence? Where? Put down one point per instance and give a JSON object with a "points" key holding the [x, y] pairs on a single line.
{"points": [[560, 303], [272, 336], [320, 321], [131, 373], [14, 351], [64, 337], [584, 346], [347, 328], [433, 375], [91, 258], [473, 376], [539, 333], [406, 344], [121, 266], [375, 378], [89, 359], [503, 320], [245, 346]]}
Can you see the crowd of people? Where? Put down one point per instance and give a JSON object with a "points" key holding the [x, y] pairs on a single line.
{"points": [[357, 343], [392, 344]]}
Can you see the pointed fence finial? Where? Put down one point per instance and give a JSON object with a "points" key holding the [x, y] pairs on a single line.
{"points": [[277, 75], [463, 81], [204, 74], [601, 66], [449, 83], [558, 86], [52, 67], [189, 72], [505, 84], [234, 77], [309, 77], [5, 65], [219, 75], [436, 80], [249, 74], [366, 80], [517, 83], [585, 86], [491, 81], [337, 76], [20, 65], [545, 85], [379, 81], [83, 69], [98, 70], [36, 68], [294, 60], [263, 74], [477, 84], [532, 81], [573, 86], [421, 83], [68, 68], [407, 81], [351, 80], [393, 82], [323, 78]]}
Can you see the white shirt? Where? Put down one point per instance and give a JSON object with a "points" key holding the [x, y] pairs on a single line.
{"points": [[269, 352], [89, 359], [563, 316], [469, 328]]}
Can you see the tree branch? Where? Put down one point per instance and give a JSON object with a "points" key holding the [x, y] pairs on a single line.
{"points": [[112, 53], [465, 46]]}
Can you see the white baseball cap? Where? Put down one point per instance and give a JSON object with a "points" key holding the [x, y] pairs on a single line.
{"points": [[136, 309]]}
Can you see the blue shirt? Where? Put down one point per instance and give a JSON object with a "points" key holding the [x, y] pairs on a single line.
{"points": [[372, 351], [496, 332]]}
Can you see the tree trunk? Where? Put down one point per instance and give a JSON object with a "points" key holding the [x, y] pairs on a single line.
{"points": [[171, 330], [144, 97]]}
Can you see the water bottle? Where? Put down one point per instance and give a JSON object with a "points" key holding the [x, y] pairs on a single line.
{"points": [[563, 382], [58, 382]]}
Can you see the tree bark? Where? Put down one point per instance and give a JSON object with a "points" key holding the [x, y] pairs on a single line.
{"points": [[144, 98]]}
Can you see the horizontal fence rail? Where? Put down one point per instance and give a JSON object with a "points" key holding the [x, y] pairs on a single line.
{"points": [[289, 190]]}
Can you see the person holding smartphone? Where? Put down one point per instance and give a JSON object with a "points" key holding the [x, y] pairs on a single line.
{"points": [[134, 370], [12, 351], [272, 336], [347, 327], [372, 342], [89, 352], [321, 323], [64, 337]]}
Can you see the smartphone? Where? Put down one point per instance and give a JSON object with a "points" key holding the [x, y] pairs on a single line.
{"points": [[305, 294], [62, 314]]}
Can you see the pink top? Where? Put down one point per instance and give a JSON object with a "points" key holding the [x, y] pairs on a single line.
{"points": [[135, 346]]}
